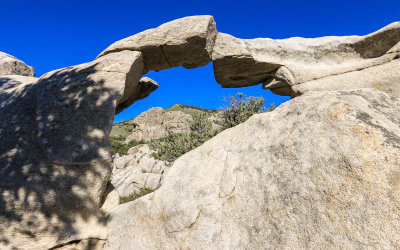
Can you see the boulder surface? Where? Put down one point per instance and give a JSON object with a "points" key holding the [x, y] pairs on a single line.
{"points": [[54, 152], [186, 42], [10, 65], [137, 170], [157, 123], [328, 177], [283, 64]]}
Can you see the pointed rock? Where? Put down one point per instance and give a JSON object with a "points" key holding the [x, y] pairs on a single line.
{"points": [[10, 65]]}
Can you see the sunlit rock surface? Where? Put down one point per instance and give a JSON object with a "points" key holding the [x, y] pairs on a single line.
{"points": [[321, 171], [9, 65], [137, 170], [296, 65], [186, 42]]}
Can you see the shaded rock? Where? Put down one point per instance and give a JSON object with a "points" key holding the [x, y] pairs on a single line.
{"points": [[282, 63], [87, 244], [328, 177], [10, 65], [54, 151], [186, 42], [157, 123], [137, 92]]}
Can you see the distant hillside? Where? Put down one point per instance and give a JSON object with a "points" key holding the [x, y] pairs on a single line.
{"points": [[120, 131], [191, 110]]}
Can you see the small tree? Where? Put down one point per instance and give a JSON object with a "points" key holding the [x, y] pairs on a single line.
{"points": [[241, 108]]}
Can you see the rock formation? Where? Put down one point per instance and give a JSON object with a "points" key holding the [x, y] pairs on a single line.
{"points": [[157, 123], [136, 171], [327, 177], [322, 171], [296, 65], [186, 42], [10, 65], [289, 67], [54, 151]]}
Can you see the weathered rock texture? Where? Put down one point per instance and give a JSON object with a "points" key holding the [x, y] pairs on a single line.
{"points": [[186, 42], [290, 66], [137, 92], [54, 151], [327, 177], [296, 65], [10, 65], [157, 123], [86, 244], [136, 171]]}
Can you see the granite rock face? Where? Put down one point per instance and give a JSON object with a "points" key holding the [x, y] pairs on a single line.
{"points": [[186, 42], [156, 123], [10, 65], [54, 151], [141, 171], [321, 171], [285, 65], [328, 177]]}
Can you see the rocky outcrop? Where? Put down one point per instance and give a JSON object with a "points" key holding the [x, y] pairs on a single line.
{"points": [[54, 151], [296, 65], [139, 171], [327, 177], [10, 65], [157, 123], [186, 42]]}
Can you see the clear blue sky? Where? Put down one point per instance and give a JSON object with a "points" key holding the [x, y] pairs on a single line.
{"points": [[54, 34]]}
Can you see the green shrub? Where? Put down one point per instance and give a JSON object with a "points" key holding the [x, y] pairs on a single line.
{"points": [[122, 148], [173, 146], [241, 108], [134, 196]]}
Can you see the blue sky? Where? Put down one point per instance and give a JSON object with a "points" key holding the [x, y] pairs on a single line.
{"points": [[54, 34]]}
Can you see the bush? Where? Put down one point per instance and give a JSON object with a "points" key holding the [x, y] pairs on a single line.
{"points": [[121, 147], [173, 146], [241, 108], [134, 196]]}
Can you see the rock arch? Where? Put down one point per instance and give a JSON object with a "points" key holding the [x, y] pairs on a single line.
{"points": [[54, 153], [290, 66]]}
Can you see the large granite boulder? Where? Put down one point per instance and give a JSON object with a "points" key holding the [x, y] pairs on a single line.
{"points": [[10, 65], [296, 65], [186, 42], [327, 177], [54, 151]]}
